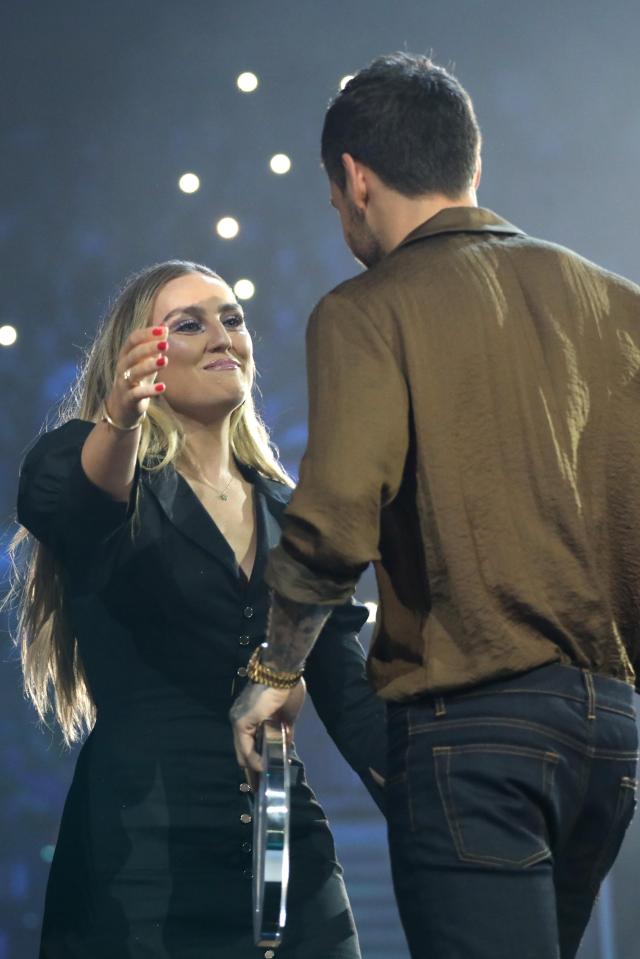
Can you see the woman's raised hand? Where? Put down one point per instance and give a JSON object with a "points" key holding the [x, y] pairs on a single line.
{"points": [[141, 358]]}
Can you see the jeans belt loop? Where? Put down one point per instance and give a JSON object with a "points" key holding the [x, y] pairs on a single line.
{"points": [[441, 709], [591, 694]]}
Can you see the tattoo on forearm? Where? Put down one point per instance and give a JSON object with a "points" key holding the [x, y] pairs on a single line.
{"points": [[293, 629]]}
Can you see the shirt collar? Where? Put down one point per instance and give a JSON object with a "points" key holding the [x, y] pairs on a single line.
{"points": [[461, 219], [184, 510]]}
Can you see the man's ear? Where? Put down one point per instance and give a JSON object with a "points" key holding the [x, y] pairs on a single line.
{"points": [[478, 174], [356, 186]]}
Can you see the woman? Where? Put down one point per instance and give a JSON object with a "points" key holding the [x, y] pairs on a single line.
{"points": [[153, 513]]}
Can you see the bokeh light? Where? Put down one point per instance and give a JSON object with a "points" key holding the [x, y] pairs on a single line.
{"points": [[8, 335], [244, 289], [247, 82], [189, 182], [227, 228], [280, 163]]}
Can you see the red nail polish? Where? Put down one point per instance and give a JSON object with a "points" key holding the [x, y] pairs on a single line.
{"points": [[161, 361], [162, 345], [157, 330], [160, 387]]}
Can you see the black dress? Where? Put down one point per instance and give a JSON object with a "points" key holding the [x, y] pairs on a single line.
{"points": [[154, 852]]}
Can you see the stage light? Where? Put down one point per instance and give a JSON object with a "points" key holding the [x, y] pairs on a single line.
{"points": [[345, 80], [8, 335], [244, 289], [227, 228], [372, 609], [189, 182], [280, 163], [247, 82]]}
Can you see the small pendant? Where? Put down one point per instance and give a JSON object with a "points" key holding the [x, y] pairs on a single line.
{"points": [[223, 496]]}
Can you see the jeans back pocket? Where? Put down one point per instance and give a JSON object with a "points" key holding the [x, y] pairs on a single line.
{"points": [[495, 798]]}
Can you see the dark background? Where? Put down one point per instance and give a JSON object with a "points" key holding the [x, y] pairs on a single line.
{"points": [[105, 104]]}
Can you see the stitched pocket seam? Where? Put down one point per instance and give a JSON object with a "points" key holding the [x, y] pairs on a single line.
{"points": [[549, 764], [583, 749]]}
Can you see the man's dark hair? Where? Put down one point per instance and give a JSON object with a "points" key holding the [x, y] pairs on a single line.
{"points": [[410, 122]]}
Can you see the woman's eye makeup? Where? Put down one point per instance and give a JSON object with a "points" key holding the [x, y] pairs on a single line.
{"points": [[233, 319], [189, 324]]}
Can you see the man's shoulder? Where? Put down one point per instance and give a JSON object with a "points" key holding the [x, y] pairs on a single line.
{"points": [[360, 292], [429, 265], [575, 263]]}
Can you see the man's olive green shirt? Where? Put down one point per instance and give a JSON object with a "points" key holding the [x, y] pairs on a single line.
{"points": [[474, 431]]}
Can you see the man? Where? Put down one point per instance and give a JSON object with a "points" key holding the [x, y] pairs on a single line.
{"points": [[474, 406]]}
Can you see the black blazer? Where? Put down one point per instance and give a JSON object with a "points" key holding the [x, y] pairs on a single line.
{"points": [[160, 608]]}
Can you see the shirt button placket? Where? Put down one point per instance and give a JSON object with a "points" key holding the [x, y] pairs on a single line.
{"points": [[244, 639]]}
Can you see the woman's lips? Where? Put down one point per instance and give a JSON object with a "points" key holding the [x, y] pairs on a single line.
{"points": [[222, 365]]}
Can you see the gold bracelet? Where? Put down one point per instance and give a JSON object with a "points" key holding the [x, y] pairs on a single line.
{"points": [[105, 418], [259, 673]]}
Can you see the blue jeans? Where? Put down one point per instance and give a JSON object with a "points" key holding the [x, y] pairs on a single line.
{"points": [[507, 805]]}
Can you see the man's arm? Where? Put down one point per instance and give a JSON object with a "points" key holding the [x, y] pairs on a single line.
{"points": [[293, 630], [353, 466]]}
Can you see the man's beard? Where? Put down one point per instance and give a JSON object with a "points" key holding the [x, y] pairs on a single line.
{"points": [[362, 242]]}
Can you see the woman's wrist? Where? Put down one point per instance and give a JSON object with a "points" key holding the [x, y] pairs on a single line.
{"points": [[122, 427]]}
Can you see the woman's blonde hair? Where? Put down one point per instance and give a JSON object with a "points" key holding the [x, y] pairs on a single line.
{"points": [[54, 677]]}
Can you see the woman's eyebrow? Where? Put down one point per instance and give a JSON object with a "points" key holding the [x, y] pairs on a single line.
{"points": [[199, 313], [231, 308], [196, 311]]}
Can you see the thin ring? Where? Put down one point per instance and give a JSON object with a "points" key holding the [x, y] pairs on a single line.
{"points": [[126, 375]]}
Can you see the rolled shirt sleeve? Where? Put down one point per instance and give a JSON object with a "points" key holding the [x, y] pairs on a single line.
{"points": [[355, 457]]}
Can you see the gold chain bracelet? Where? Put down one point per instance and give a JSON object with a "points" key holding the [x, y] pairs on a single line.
{"points": [[259, 673], [105, 418]]}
